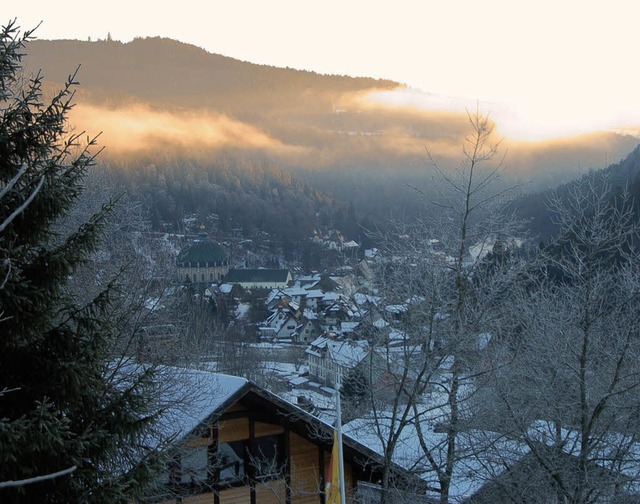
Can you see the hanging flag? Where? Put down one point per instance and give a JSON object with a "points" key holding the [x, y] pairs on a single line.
{"points": [[332, 488], [335, 489]]}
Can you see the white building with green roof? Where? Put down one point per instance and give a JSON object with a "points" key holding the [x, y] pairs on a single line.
{"points": [[202, 261]]}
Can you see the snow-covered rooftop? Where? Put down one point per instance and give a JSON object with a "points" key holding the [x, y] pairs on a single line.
{"points": [[361, 298], [295, 291], [192, 395], [226, 288], [346, 353]]}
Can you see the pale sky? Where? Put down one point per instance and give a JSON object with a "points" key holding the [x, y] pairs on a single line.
{"points": [[541, 68]]}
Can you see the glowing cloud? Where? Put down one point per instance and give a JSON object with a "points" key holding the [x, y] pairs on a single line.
{"points": [[416, 99], [139, 129], [538, 120]]}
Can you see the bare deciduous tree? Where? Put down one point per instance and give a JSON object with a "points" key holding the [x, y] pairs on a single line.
{"points": [[571, 389], [449, 291]]}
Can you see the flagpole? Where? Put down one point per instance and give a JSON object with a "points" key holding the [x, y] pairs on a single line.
{"points": [[343, 499]]}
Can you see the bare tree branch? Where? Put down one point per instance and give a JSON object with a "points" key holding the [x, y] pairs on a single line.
{"points": [[37, 479]]}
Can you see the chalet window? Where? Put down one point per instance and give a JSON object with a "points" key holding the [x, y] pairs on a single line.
{"points": [[231, 462], [195, 465], [268, 458]]}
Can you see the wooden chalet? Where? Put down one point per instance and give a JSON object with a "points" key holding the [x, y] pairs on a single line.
{"points": [[247, 445]]}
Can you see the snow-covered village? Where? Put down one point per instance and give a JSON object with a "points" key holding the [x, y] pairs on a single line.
{"points": [[365, 333], [230, 282]]}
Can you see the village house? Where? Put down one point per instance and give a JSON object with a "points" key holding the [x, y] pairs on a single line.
{"points": [[274, 298], [282, 323], [337, 312], [313, 298], [330, 359], [235, 442], [307, 331], [297, 294]]}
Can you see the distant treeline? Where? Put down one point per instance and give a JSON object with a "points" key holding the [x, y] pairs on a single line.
{"points": [[534, 208], [252, 196]]}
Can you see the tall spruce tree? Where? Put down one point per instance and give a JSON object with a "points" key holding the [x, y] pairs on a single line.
{"points": [[72, 428]]}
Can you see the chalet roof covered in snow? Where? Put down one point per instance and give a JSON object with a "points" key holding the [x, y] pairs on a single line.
{"points": [[484, 455], [471, 471], [192, 395], [198, 397]]}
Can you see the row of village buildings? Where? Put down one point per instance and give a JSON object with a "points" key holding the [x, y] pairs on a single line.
{"points": [[337, 318], [240, 443]]}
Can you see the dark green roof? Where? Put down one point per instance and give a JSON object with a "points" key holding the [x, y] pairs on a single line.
{"points": [[202, 251], [257, 275]]}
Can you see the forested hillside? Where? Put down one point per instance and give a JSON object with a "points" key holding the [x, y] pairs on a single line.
{"points": [[253, 194], [623, 176], [159, 97], [254, 148], [167, 72]]}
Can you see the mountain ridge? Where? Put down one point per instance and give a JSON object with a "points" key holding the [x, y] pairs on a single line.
{"points": [[329, 121], [159, 69]]}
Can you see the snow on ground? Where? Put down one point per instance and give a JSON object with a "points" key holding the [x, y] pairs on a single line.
{"points": [[283, 370], [153, 304]]}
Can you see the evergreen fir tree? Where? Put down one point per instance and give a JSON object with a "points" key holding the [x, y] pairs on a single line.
{"points": [[68, 419], [354, 393]]}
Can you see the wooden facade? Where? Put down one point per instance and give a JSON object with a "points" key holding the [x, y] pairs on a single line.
{"points": [[259, 449]]}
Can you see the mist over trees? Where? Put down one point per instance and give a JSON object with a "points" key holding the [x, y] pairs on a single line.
{"points": [[325, 130], [254, 195], [266, 149]]}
